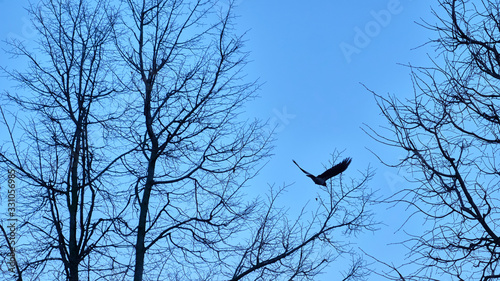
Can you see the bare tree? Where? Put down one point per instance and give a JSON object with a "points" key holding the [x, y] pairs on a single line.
{"points": [[185, 67], [56, 144], [189, 218], [450, 132], [300, 249]]}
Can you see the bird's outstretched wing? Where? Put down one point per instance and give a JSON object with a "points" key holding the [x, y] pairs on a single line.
{"points": [[307, 173], [335, 170]]}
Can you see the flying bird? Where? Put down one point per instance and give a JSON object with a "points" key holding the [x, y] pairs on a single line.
{"points": [[328, 174]]}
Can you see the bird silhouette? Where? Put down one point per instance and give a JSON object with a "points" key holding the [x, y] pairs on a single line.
{"points": [[328, 174]]}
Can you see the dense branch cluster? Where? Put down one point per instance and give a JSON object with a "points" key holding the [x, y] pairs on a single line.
{"points": [[450, 130]]}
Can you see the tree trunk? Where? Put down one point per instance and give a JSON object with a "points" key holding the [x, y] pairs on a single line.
{"points": [[73, 210], [140, 250]]}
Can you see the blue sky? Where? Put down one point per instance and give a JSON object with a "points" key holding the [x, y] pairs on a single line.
{"points": [[312, 92], [311, 88]]}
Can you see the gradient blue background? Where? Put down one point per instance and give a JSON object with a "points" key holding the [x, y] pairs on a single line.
{"points": [[311, 91], [296, 50]]}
